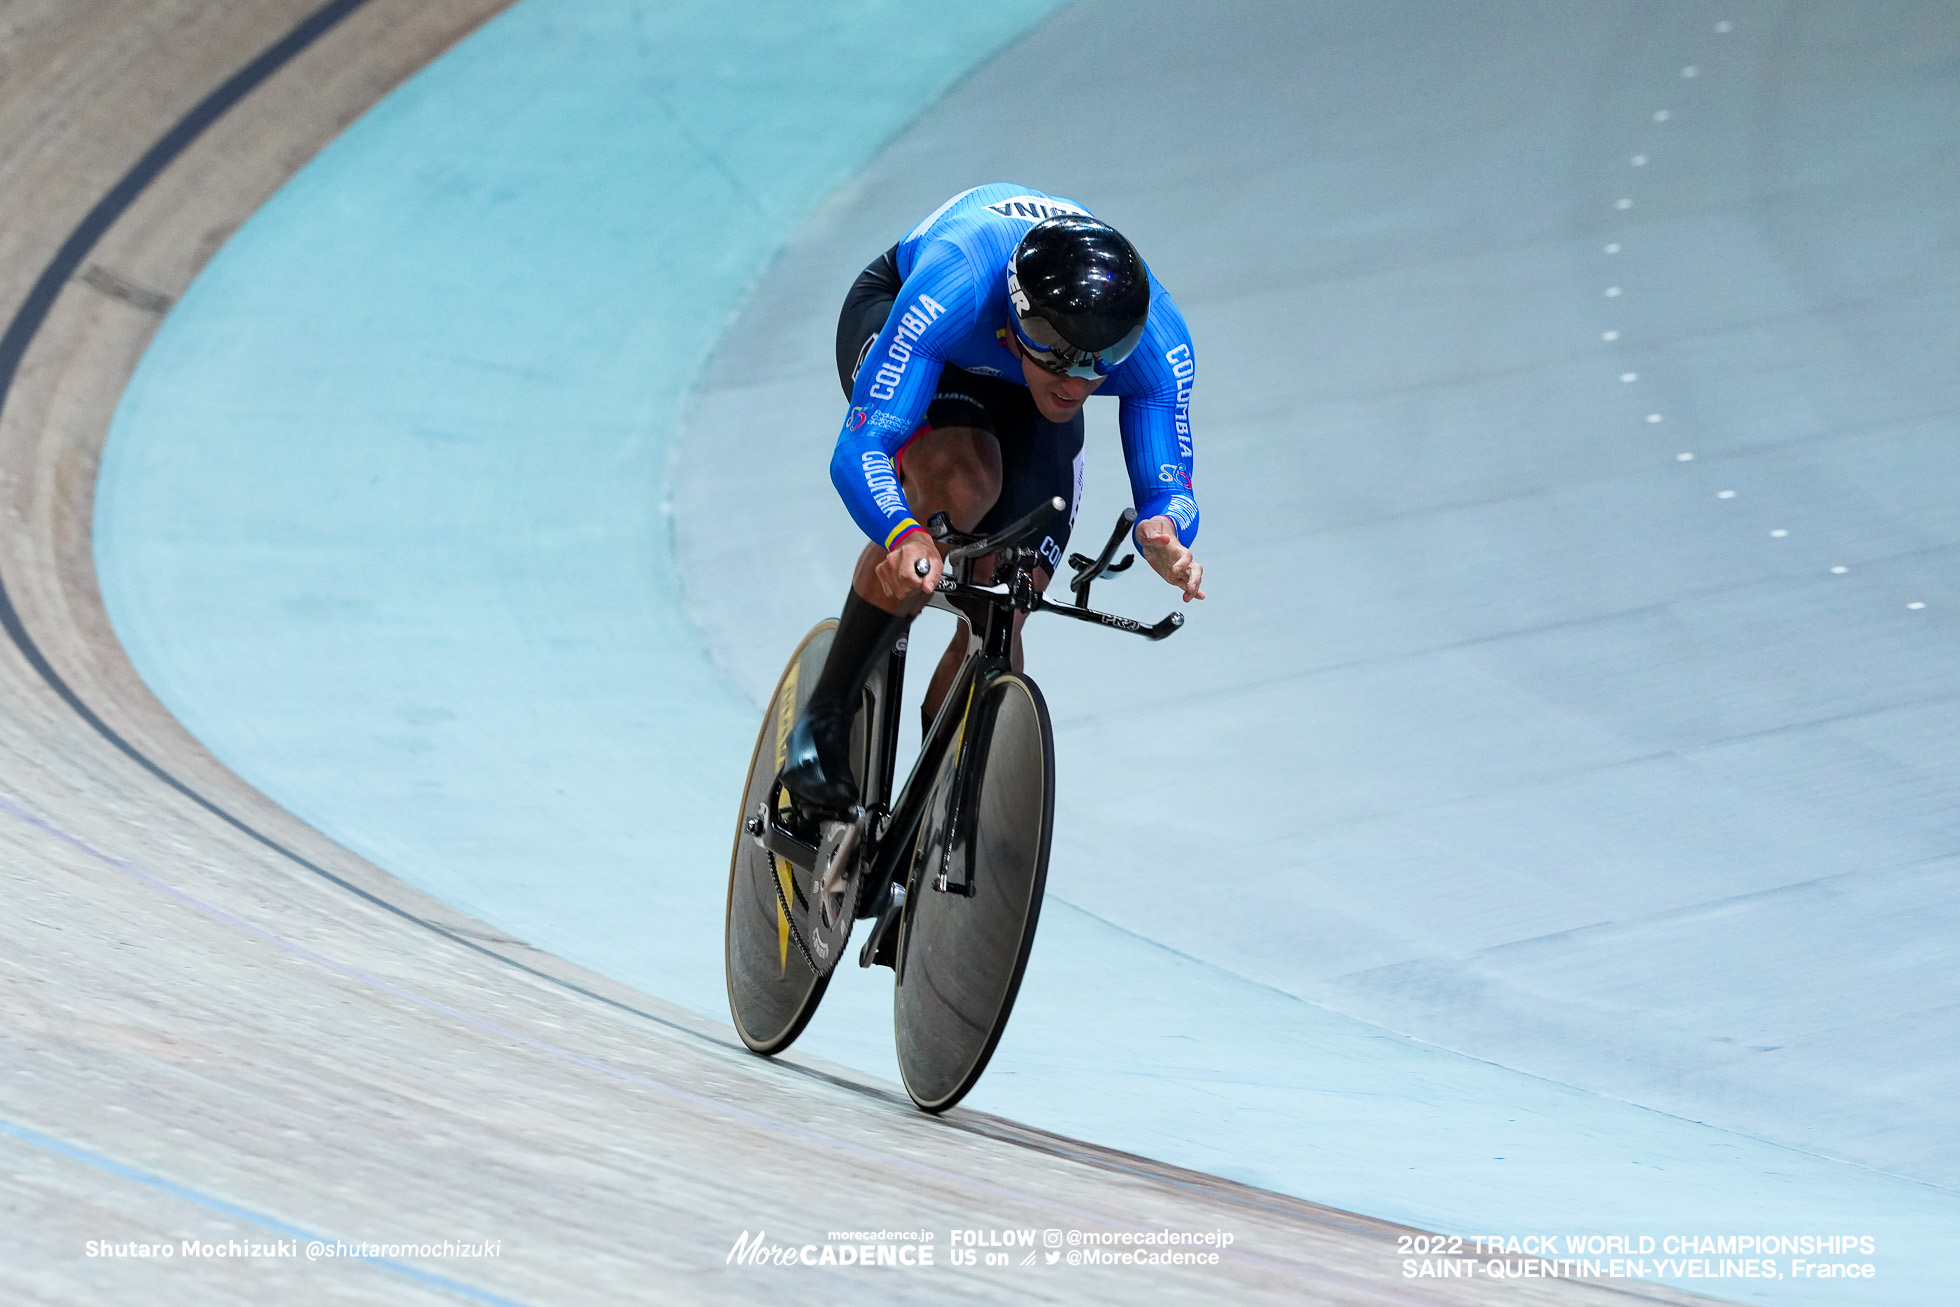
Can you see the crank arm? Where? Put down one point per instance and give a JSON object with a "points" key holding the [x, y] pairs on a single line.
{"points": [[772, 836], [883, 943]]}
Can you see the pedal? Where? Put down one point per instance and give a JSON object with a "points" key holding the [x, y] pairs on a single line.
{"points": [[881, 949]]}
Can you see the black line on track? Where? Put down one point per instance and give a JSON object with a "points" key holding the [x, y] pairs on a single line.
{"points": [[21, 331], [27, 323]]}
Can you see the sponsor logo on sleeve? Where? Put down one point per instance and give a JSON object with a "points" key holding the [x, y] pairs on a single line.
{"points": [[1174, 474], [1035, 208], [861, 418], [911, 325]]}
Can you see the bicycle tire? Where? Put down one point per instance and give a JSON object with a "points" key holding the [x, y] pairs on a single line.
{"points": [[772, 989], [961, 958]]}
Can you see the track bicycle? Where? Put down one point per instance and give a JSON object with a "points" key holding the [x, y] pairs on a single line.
{"points": [[952, 871]]}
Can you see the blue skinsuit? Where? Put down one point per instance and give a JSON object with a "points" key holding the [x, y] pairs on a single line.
{"points": [[953, 309]]}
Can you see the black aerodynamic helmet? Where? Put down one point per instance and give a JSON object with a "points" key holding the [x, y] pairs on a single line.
{"points": [[1080, 295]]}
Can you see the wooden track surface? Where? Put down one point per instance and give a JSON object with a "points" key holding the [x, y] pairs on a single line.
{"points": [[217, 1024]]}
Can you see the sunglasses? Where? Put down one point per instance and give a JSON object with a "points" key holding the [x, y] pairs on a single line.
{"points": [[1059, 358]]}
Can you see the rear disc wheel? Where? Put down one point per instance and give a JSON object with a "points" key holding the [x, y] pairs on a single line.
{"points": [[772, 989]]}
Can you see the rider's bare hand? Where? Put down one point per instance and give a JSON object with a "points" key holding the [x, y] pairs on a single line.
{"points": [[898, 575], [1157, 541]]}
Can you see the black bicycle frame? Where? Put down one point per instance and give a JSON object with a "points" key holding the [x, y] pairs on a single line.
{"points": [[988, 612], [990, 615]]}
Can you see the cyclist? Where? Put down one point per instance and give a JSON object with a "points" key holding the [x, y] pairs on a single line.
{"points": [[968, 350]]}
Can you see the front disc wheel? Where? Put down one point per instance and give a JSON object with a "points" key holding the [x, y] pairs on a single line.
{"points": [[961, 955]]}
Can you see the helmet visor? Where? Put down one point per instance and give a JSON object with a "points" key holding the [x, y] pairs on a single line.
{"points": [[1053, 354]]}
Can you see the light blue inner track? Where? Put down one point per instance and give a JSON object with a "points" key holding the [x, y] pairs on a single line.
{"points": [[381, 517], [386, 518]]}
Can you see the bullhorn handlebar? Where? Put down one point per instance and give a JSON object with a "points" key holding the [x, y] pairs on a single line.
{"points": [[1009, 548]]}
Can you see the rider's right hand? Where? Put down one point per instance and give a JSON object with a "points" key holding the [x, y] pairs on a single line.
{"points": [[899, 580]]}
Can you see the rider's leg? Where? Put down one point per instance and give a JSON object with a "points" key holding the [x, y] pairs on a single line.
{"points": [[1040, 460], [955, 470]]}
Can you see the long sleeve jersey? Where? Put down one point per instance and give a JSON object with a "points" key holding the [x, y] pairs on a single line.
{"points": [[953, 309]]}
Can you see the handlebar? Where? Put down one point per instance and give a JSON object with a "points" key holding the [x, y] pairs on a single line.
{"points": [[1170, 624], [1019, 592], [1088, 569], [971, 546]]}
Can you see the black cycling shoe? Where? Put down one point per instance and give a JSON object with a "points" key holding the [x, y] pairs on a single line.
{"points": [[817, 762]]}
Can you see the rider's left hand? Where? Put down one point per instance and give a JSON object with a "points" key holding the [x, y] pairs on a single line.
{"points": [[1158, 543]]}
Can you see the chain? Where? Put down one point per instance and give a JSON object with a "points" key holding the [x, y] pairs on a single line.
{"points": [[795, 932]]}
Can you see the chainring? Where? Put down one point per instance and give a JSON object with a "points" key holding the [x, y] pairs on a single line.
{"points": [[821, 944]]}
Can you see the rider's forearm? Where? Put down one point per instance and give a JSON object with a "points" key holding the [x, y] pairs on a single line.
{"points": [[868, 484], [881, 419], [1157, 452]]}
